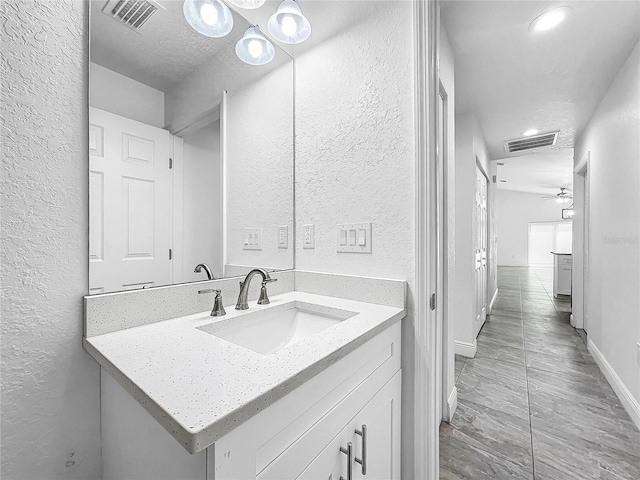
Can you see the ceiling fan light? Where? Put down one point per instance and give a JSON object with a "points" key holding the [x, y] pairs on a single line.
{"points": [[253, 48], [208, 17], [288, 24]]}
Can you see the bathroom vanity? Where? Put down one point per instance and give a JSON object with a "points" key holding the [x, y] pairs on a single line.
{"points": [[305, 387]]}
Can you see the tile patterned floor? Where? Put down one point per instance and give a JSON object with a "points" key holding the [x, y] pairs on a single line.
{"points": [[533, 404]]}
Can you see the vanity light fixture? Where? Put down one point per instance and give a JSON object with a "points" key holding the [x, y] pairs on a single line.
{"points": [[253, 48], [288, 24], [531, 131], [247, 4], [550, 19], [208, 17]]}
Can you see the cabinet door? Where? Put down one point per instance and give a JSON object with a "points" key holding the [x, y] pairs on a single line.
{"points": [[331, 463], [382, 419]]}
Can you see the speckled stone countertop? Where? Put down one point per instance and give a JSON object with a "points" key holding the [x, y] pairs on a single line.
{"points": [[200, 387]]}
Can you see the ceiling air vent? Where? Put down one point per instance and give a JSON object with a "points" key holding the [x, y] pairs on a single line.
{"points": [[131, 13], [528, 143]]}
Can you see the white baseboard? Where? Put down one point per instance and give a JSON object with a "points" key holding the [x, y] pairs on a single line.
{"points": [[465, 349], [572, 321], [452, 403], [493, 300], [631, 405]]}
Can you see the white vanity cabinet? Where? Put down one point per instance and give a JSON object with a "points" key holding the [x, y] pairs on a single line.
{"points": [[562, 266], [299, 436]]}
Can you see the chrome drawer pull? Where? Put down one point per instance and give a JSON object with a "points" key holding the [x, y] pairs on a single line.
{"points": [[349, 453], [363, 461]]}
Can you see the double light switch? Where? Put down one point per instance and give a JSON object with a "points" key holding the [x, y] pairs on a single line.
{"points": [[354, 237]]}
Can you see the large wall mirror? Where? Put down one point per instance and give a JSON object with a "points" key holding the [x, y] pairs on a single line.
{"points": [[191, 152]]}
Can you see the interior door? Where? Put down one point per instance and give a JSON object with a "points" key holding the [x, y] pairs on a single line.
{"points": [[480, 223], [130, 198]]}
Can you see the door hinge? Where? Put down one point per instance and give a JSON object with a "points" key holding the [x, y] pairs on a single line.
{"points": [[170, 163], [170, 254], [433, 301]]}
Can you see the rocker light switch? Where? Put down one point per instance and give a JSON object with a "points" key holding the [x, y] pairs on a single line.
{"points": [[353, 238], [362, 237], [343, 237]]}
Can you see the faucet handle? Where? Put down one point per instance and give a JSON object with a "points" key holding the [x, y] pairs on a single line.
{"points": [[264, 298], [218, 309], [269, 280]]}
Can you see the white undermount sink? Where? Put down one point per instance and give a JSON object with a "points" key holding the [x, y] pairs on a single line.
{"points": [[271, 330]]}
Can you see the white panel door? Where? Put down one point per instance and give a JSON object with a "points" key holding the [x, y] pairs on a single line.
{"points": [[480, 249], [130, 197]]}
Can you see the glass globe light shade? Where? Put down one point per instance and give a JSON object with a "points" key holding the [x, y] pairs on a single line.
{"points": [[247, 4], [253, 48], [208, 17], [288, 25]]}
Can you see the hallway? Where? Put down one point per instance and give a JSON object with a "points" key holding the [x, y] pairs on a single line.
{"points": [[533, 403]]}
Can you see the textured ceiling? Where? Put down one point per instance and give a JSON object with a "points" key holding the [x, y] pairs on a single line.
{"points": [[164, 51], [514, 80], [542, 173]]}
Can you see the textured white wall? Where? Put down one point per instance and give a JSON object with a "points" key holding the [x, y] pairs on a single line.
{"points": [[355, 159], [515, 210], [201, 212], [115, 93], [259, 168], [613, 139], [50, 386], [469, 146]]}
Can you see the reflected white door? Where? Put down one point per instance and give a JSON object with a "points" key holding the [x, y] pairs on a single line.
{"points": [[480, 249], [130, 198]]}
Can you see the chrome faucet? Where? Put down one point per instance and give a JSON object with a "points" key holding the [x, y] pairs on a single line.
{"points": [[199, 268], [244, 288]]}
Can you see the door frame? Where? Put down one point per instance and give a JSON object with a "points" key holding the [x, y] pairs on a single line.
{"points": [[581, 237], [427, 343], [448, 395]]}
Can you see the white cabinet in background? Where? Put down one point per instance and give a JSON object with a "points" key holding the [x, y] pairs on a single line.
{"points": [[297, 437], [562, 265]]}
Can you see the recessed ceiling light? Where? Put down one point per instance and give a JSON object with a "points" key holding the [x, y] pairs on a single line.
{"points": [[550, 19], [531, 131]]}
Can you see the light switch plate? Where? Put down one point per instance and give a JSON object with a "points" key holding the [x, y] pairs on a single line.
{"points": [[252, 239], [353, 238], [308, 236], [283, 236]]}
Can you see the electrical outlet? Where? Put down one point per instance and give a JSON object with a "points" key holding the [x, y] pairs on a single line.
{"points": [[283, 236], [308, 236]]}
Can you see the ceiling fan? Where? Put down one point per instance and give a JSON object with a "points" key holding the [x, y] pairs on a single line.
{"points": [[564, 196]]}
